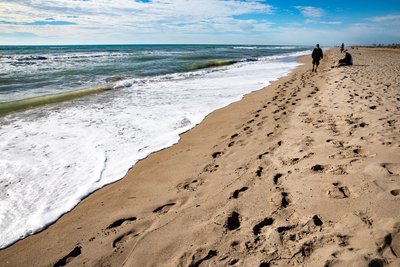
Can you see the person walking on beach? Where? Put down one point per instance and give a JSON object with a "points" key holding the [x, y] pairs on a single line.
{"points": [[342, 48], [316, 55]]}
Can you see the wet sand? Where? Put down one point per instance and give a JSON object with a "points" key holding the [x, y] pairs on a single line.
{"points": [[305, 172]]}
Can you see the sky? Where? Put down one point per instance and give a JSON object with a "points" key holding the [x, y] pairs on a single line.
{"points": [[328, 22]]}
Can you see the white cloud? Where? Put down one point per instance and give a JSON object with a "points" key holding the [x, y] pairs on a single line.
{"points": [[331, 22], [104, 12], [389, 17], [119, 18], [314, 14], [310, 12], [314, 21]]}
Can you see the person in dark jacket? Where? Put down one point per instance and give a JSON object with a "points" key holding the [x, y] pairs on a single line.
{"points": [[316, 55]]}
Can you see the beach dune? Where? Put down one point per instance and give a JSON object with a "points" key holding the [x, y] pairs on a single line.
{"points": [[305, 172]]}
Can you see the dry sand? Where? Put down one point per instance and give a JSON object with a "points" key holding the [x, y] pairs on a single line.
{"points": [[303, 173]]}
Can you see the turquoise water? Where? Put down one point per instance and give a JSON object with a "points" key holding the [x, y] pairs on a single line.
{"points": [[30, 71]]}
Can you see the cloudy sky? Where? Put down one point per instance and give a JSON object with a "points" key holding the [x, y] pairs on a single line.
{"points": [[199, 21]]}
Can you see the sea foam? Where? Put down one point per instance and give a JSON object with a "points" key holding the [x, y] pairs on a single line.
{"points": [[55, 155]]}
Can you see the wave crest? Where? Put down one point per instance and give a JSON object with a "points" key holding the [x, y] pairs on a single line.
{"points": [[210, 64]]}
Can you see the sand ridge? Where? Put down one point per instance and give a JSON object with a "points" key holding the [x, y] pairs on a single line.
{"points": [[303, 173]]}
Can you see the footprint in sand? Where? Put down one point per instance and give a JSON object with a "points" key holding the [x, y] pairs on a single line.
{"points": [[317, 221], [259, 226], [233, 262], [364, 217], [285, 200], [69, 257], [317, 168], [259, 171], [303, 114], [395, 192], [234, 136], [164, 208], [263, 154], [395, 240], [339, 191], [216, 154], [265, 264], [233, 221], [123, 238], [277, 177], [190, 185], [342, 240], [119, 222], [350, 152], [282, 230], [382, 169], [196, 263], [236, 193], [211, 167], [281, 199], [376, 263]]}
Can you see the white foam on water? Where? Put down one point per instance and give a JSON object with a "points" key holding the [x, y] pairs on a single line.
{"points": [[246, 47], [264, 47], [53, 156]]}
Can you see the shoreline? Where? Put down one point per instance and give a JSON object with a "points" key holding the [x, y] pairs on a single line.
{"points": [[236, 176], [118, 149]]}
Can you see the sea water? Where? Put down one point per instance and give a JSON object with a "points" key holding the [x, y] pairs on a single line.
{"points": [[53, 155]]}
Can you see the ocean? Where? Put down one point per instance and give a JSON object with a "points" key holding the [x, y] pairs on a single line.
{"points": [[75, 118]]}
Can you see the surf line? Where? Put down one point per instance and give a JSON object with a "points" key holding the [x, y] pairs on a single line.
{"points": [[23, 104]]}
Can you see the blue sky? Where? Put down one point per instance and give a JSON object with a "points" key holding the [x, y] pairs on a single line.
{"points": [[327, 22]]}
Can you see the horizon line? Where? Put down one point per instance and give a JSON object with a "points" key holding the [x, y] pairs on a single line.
{"points": [[153, 44]]}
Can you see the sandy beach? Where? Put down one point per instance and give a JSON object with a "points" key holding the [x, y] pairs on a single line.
{"points": [[305, 172]]}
